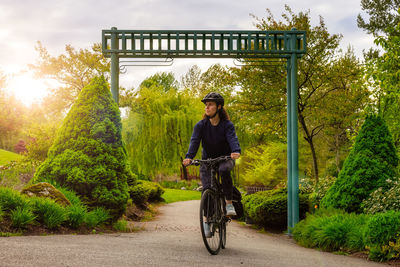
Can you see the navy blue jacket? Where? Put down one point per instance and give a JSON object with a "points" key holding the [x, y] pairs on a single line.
{"points": [[220, 140]]}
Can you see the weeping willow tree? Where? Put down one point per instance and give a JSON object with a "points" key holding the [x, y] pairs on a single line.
{"points": [[158, 128]]}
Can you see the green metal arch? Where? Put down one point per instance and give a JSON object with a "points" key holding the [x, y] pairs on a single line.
{"points": [[290, 45]]}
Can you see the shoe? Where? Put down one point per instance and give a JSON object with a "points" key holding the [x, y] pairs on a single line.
{"points": [[207, 231], [230, 210]]}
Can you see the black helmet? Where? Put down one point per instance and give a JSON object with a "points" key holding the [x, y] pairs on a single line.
{"points": [[215, 97]]}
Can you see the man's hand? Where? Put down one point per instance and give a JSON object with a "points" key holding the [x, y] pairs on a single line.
{"points": [[186, 161], [235, 155]]}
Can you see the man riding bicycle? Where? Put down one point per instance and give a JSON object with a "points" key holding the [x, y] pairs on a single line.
{"points": [[218, 138]]}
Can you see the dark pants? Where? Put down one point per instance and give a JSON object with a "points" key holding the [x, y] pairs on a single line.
{"points": [[224, 170]]}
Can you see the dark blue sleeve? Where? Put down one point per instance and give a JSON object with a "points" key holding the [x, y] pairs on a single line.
{"points": [[195, 140], [231, 137]]}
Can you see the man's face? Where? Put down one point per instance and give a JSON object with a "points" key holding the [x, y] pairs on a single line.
{"points": [[210, 108]]}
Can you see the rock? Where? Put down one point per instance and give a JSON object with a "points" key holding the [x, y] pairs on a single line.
{"points": [[46, 190], [200, 188], [183, 188]]}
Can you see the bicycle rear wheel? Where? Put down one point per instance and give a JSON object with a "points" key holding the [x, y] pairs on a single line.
{"points": [[210, 213], [223, 223]]}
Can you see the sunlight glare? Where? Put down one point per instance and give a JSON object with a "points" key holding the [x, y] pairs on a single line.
{"points": [[28, 89]]}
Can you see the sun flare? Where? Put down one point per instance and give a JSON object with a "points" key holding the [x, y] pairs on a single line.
{"points": [[28, 89]]}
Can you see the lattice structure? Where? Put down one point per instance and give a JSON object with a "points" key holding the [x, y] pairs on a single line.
{"points": [[206, 44]]}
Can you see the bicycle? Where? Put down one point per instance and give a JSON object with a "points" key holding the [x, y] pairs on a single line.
{"points": [[212, 208]]}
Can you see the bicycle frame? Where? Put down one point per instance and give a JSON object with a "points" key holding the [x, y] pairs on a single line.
{"points": [[218, 219]]}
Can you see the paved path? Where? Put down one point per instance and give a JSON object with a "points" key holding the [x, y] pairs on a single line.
{"points": [[173, 239]]}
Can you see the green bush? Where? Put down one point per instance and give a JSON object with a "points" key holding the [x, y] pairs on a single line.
{"points": [[382, 228], [11, 199], [22, 216], [331, 230], [138, 194], [371, 162], [88, 155], [145, 191], [48, 212], [320, 190], [1, 213], [154, 190], [269, 208], [383, 200], [97, 217]]}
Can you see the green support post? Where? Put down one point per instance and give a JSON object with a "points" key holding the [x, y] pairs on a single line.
{"points": [[289, 144], [114, 66], [294, 165]]}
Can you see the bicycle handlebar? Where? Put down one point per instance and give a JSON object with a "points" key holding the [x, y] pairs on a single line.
{"points": [[197, 162]]}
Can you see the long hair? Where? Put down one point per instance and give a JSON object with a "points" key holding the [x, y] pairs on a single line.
{"points": [[223, 114]]}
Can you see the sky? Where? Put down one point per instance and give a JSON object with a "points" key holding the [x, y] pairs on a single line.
{"points": [[79, 23]]}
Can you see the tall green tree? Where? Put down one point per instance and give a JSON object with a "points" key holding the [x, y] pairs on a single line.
{"points": [[322, 72], [384, 76], [158, 128], [88, 155], [371, 162], [381, 14]]}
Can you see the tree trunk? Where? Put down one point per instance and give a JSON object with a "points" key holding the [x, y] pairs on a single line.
{"points": [[309, 139], [337, 153], [184, 171]]}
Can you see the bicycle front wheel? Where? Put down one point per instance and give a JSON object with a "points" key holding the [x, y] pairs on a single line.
{"points": [[211, 218]]}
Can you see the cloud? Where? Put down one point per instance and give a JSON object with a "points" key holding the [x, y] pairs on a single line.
{"points": [[79, 23]]}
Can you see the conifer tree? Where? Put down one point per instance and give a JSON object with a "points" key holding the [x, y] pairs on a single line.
{"points": [[88, 155], [370, 163]]}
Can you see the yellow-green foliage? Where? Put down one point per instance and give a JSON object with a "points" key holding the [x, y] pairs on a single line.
{"points": [[158, 129], [266, 164], [88, 155], [145, 191]]}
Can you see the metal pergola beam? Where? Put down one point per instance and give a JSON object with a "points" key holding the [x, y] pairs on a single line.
{"points": [[214, 44], [290, 45]]}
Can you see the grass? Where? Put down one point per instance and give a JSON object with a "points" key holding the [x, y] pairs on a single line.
{"points": [[7, 156], [175, 195]]}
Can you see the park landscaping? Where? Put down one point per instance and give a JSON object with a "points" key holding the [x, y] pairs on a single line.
{"points": [[105, 165]]}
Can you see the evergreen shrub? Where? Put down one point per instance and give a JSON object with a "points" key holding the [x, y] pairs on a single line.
{"points": [[145, 191], [371, 162], [88, 155], [269, 208]]}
